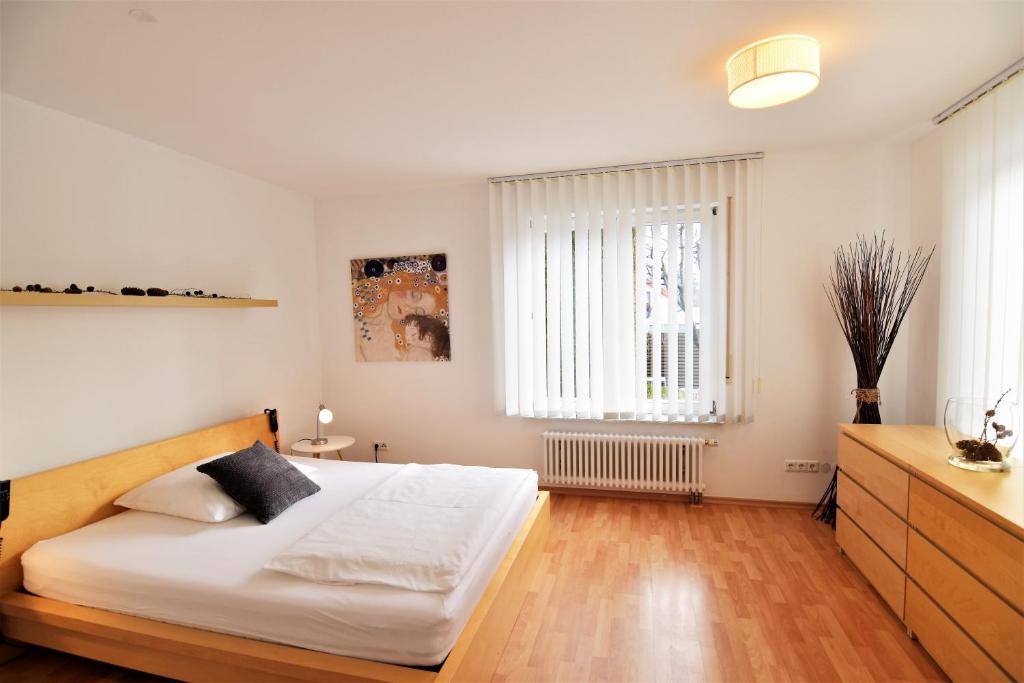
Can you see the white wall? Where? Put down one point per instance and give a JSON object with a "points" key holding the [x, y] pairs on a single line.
{"points": [[923, 321], [431, 412], [91, 205]]}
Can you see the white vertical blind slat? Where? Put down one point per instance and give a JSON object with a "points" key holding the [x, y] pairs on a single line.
{"points": [[583, 227], [737, 389], [608, 334], [690, 216], [655, 289], [594, 304], [524, 284], [567, 338], [752, 308], [553, 268], [625, 296], [705, 291], [739, 289], [642, 186], [718, 279], [672, 258], [538, 312], [503, 200]]}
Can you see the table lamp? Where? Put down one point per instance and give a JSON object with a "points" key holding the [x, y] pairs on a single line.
{"points": [[323, 416]]}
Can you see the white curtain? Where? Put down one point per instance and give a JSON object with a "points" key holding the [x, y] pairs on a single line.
{"points": [[982, 279], [613, 293]]}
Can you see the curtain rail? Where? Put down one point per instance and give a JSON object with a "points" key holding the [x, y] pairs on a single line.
{"points": [[627, 167], [982, 90]]}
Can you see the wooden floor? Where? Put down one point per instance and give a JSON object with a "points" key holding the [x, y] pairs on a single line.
{"points": [[638, 591]]}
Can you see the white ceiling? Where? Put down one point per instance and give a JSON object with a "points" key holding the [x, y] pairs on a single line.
{"points": [[337, 98]]}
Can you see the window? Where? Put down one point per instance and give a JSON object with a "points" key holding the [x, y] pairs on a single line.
{"points": [[616, 295], [671, 304]]}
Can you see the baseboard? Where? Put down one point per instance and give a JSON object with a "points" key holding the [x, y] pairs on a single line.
{"points": [[613, 493], [757, 502], [675, 497]]}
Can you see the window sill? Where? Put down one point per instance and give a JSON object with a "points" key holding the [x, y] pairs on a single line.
{"points": [[717, 422]]}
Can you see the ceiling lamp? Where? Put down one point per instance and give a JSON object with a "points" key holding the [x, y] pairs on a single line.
{"points": [[773, 71]]}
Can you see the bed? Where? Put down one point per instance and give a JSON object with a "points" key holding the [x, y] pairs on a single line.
{"points": [[160, 594]]}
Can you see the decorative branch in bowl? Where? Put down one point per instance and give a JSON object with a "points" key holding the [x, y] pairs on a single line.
{"points": [[990, 451]]}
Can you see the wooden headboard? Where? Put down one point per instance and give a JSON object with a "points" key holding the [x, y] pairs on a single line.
{"points": [[54, 502]]}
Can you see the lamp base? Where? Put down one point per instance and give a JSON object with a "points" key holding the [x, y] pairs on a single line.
{"points": [[322, 441]]}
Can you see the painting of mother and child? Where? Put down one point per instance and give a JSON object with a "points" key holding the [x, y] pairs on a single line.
{"points": [[400, 306]]}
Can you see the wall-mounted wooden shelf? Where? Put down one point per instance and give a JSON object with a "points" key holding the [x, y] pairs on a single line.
{"points": [[92, 299]]}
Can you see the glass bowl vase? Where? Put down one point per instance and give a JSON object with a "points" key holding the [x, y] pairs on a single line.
{"points": [[980, 442]]}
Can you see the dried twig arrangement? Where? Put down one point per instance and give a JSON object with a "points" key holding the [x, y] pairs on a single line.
{"points": [[870, 289]]}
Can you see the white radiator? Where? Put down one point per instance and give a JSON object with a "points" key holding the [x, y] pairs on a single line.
{"points": [[625, 462]]}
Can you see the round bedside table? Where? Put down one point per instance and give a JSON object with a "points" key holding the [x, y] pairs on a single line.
{"points": [[334, 444]]}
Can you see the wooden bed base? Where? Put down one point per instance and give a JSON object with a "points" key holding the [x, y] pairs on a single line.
{"points": [[55, 502]]}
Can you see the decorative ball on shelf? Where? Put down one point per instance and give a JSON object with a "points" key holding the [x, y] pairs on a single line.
{"points": [[16, 288], [90, 288], [214, 295], [47, 290]]}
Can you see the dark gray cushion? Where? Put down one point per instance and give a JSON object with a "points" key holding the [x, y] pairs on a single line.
{"points": [[261, 480]]}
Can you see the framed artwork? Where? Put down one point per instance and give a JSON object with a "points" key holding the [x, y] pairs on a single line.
{"points": [[400, 304]]}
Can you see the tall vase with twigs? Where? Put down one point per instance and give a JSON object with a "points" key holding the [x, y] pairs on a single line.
{"points": [[870, 289]]}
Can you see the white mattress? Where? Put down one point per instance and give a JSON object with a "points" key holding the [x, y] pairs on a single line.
{"points": [[210, 576]]}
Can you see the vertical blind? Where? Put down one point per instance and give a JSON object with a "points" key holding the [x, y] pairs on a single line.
{"points": [[981, 340], [614, 292]]}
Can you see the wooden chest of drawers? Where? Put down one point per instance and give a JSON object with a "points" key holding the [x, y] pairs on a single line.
{"points": [[943, 547]]}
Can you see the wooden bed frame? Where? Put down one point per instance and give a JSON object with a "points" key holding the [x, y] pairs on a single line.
{"points": [[50, 503]]}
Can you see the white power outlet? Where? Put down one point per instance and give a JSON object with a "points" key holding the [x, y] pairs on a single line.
{"points": [[802, 466]]}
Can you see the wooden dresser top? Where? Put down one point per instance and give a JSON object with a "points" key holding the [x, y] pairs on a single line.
{"points": [[922, 450]]}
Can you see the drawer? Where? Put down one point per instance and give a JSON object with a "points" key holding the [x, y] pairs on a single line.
{"points": [[993, 624], [886, 578], [991, 554], [885, 481], [961, 659], [884, 528]]}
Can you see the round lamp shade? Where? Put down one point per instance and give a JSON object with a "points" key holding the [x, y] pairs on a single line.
{"points": [[773, 71], [325, 416]]}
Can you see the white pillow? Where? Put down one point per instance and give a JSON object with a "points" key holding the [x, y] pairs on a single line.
{"points": [[184, 492]]}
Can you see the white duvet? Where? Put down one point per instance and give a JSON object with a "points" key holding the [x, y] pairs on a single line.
{"points": [[421, 529]]}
